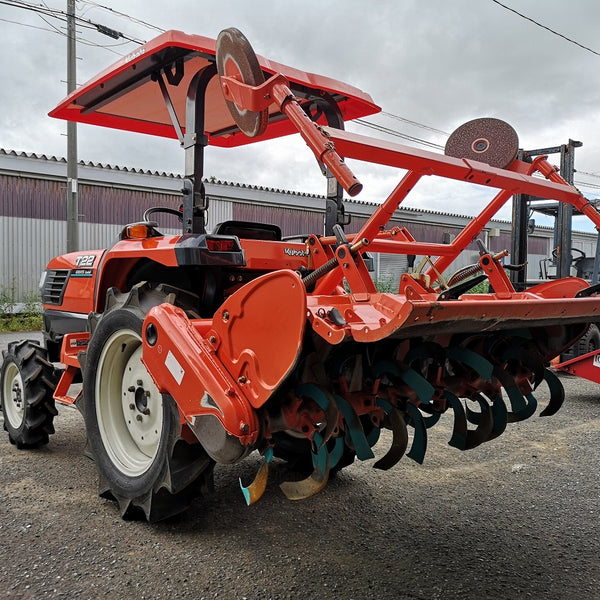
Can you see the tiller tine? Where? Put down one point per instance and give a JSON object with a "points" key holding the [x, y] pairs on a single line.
{"points": [[354, 428], [480, 365], [299, 490], [419, 445], [485, 425], [500, 417], [419, 385], [522, 406], [531, 360], [257, 488], [431, 420], [557, 394], [336, 452], [460, 429], [373, 436], [394, 420], [325, 402]]}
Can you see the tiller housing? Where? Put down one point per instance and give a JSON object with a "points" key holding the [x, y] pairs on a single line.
{"points": [[203, 347]]}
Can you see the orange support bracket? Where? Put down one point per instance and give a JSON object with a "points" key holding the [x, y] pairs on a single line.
{"points": [[72, 345], [276, 89]]}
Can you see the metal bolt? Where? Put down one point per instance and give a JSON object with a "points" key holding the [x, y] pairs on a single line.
{"points": [[242, 379], [138, 417], [147, 394], [226, 316], [212, 339], [131, 388], [140, 382], [244, 427], [146, 411], [132, 407]]}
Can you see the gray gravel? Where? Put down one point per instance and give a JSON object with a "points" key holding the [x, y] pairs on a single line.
{"points": [[515, 518]]}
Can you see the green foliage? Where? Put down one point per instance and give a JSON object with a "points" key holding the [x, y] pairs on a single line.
{"points": [[19, 314], [386, 285], [483, 287]]}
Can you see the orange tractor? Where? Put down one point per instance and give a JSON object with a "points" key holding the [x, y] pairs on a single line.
{"points": [[200, 348]]}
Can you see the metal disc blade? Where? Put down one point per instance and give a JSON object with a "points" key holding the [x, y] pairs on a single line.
{"points": [[488, 140], [235, 58]]}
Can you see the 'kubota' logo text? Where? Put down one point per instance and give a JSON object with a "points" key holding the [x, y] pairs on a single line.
{"points": [[294, 252]]}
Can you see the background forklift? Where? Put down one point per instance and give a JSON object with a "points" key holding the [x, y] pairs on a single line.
{"points": [[573, 262]]}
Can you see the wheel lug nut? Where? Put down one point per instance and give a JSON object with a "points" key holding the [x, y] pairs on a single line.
{"points": [[146, 411], [140, 382], [131, 406], [138, 417], [131, 388], [147, 394]]}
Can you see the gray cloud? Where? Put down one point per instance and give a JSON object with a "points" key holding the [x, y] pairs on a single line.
{"points": [[438, 62]]}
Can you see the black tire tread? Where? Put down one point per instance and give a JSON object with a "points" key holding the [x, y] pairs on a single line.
{"points": [[39, 381], [186, 470], [590, 341]]}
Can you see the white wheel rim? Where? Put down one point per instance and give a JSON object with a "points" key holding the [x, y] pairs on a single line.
{"points": [[13, 394], [129, 407]]}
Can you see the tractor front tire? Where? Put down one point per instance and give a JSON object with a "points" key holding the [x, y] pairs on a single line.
{"points": [[134, 432], [27, 382]]}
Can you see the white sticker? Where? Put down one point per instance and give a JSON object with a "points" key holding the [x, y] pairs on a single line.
{"points": [[174, 368], [597, 360]]}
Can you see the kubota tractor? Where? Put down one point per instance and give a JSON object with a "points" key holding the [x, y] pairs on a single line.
{"points": [[201, 348]]}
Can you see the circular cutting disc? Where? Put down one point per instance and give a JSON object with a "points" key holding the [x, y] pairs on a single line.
{"points": [[237, 59], [488, 140]]}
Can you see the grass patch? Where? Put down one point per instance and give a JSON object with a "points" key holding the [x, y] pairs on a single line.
{"points": [[19, 314]]}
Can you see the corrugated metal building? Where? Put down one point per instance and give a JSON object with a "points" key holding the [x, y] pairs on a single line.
{"points": [[33, 215]]}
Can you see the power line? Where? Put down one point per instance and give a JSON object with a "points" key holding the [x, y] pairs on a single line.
{"points": [[395, 133], [587, 173], [124, 15], [31, 26], [415, 123], [586, 184], [564, 37], [62, 16]]}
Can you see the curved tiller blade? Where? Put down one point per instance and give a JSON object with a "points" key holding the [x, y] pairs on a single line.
{"points": [[522, 406], [325, 402], [395, 421], [354, 427], [557, 394], [460, 429], [500, 417], [257, 488], [419, 445], [485, 427], [299, 490]]}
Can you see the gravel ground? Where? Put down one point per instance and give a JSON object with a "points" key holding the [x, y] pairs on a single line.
{"points": [[515, 518]]}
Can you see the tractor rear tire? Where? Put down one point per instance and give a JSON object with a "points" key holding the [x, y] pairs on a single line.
{"points": [[27, 382], [590, 341], [135, 432]]}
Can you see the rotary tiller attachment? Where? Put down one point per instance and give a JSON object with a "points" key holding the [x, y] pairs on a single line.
{"points": [[484, 382]]}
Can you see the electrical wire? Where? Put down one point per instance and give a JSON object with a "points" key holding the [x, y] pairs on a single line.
{"points": [[29, 25], [62, 16], [564, 37], [587, 184], [415, 123], [587, 173], [395, 133], [126, 16]]}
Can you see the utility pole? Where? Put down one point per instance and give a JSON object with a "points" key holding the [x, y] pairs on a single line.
{"points": [[72, 194]]}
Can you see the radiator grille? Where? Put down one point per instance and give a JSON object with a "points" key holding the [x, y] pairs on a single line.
{"points": [[54, 286]]}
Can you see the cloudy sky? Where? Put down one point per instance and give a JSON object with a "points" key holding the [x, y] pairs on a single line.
{"points": [[438, 63]]}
